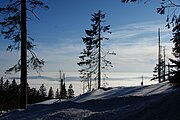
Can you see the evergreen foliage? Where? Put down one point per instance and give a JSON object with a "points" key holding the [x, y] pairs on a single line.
{"points": [[93, 57], [14, 94], [176, 52], [160, 68], [70, 91], [63, 93], [42, 91], [171, 9], [57, 94], [10, 95], [1, 94], [10, 25], [51, 93], [13, 26]]}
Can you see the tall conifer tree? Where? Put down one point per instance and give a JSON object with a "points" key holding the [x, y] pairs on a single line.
{"points": [[93, 56], [13, 27], [176, 52]]}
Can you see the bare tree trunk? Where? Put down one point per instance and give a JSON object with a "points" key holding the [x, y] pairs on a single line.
{"points": [[159, 56], [164, 64], [23, 94], [99, 57]]}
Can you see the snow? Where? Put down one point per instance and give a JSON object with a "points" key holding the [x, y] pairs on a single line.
{"points": [[48, 102], [151, 102], [125, 91]]}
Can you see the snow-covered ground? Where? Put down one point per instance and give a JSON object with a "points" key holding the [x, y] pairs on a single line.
{"points": [[151, 102]]}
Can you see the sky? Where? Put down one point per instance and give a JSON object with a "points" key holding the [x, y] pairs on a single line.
{"points": [[59, 30]]}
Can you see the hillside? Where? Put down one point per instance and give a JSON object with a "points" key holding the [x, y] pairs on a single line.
{"points": [[153, 102]]}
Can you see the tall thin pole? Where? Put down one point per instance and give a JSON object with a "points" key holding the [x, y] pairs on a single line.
{"points": [[63, 78], [99, 57], [159, 55], [23, 92], [90, 81], [142, 80], [89, 77], [61, 88], [60, 72], [83, 86], [168, 70], [164, 64]]}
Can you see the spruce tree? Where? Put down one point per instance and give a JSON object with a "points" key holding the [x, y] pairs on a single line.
{"points": [[42, 91], [93, 57], [158, 70], [13, 95], [1, 94], [70, 91], [63, 93], [6, 96], [51, 93], [57, 94], [14, 27], [1, 84], [176, 52], [6, 85]]}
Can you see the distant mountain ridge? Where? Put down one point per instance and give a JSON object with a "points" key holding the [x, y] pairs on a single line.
{"points": [[79, 79]]}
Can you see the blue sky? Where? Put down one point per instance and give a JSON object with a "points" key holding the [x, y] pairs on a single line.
{"points": [[58, 34]]}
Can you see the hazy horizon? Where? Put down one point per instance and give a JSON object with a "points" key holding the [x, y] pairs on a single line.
{"points": [[134, 35]]}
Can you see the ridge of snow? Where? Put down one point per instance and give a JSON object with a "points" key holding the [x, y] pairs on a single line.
{"points": [[146, 90], [120, 103]]}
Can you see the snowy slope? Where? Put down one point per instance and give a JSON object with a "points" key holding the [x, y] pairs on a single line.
{"points": [[154, 102], [125, 91]]}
